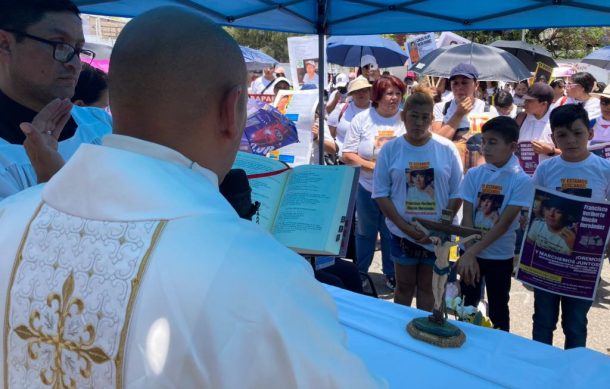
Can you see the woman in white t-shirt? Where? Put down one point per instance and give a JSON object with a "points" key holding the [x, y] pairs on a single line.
{"points": [[417, 176], [368, 133], [579, 88], [359, 90]]}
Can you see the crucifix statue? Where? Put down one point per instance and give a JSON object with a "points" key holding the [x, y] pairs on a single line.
{"points": [[435, 329]]}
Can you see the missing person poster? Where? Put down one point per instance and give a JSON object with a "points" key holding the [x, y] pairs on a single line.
{"points": [[420, 45], [528, 158], [304, 62], [299, 107], [543, 73], [448, 38], [564, 244]]}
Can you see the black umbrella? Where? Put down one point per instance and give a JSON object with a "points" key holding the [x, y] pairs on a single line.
{"points": [[528, 53], [492, 63]]}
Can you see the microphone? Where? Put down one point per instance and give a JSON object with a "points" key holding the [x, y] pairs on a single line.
{"points": [[236, 190]]}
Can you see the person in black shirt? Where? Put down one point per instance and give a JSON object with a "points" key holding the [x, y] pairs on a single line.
{"points": [[41, 49]]}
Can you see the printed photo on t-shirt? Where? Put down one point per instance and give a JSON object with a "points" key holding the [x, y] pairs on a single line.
{"points": [[487, 211], [576, 187], [382, 137], [421, 198], [554, 223]]}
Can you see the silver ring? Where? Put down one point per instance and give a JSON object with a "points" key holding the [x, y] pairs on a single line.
{"points": [[49, 132]]}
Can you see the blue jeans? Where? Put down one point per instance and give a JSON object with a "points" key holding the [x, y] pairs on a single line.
{"points": [[573, 318], [370, 220]]}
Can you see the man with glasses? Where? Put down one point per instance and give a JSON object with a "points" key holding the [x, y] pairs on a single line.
{"points": [[41, 49]]}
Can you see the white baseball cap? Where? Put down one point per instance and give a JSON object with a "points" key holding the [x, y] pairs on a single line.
{"points": [[368, 59], [341, 80]]}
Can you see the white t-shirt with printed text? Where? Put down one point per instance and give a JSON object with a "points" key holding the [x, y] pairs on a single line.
{"points": [[587, 178], [368, 133], [509, 185], [397, 165]]}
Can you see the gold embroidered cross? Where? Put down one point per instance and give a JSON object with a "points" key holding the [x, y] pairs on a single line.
{"points": [[83, 348]]}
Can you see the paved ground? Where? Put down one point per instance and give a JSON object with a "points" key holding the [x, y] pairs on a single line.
{"points": [[522, 308]]}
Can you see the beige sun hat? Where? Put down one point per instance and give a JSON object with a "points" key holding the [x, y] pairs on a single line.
{"points": [[357, 84], [605, 93]]}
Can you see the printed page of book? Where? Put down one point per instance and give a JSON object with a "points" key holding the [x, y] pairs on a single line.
{"points": [[313, 211], [267, 189]]}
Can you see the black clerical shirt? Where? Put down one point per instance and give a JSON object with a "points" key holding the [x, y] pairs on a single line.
{"points": [[12, 114]]}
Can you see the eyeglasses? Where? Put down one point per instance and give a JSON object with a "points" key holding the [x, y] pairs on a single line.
{"points": [[62, 52], [603, 101]]}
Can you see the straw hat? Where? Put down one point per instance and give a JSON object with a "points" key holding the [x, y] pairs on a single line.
{"points": [[357, 84]]}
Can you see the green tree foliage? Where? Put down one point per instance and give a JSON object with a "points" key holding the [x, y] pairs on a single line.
{"points": [[270, 42], [561, 42]]}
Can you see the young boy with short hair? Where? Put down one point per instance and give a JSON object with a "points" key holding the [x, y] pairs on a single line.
{"points": [[501, 185], [579, 172]]}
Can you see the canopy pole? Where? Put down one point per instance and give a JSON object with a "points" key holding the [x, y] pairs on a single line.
{"points": [[321, 30], [321, 108]]}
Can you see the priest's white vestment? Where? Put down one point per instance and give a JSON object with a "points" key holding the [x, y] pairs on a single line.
{"points": [[129, 269]]}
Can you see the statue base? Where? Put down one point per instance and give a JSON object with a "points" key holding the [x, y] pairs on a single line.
{"points": [[443, 335]]}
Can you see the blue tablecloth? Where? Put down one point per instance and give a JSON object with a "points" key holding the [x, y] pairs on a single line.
{"points": [[489, 358]]}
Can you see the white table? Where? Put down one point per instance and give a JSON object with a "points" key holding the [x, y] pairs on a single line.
{"points": [[489, 358]]}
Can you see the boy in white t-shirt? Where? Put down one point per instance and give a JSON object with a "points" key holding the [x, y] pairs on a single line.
{"points": [[581, 173], [499, 186]]}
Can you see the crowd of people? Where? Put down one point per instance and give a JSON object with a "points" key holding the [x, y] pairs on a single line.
{"points": [[131, 238], [420, 171], [410, 170]]}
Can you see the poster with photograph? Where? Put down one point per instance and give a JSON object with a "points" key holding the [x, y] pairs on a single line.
{"points": [[448, 38], [601, 149], [266, 129], [543, 73], [304, 61], [420, 45], [299, 107], [528, 158], [564, 243], [421, 199]]}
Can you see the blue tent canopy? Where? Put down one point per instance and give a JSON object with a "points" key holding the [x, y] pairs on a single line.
{"points": [[362, 17]]}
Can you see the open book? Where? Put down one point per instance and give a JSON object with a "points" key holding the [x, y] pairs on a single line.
{"points": [[308, 208]]}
